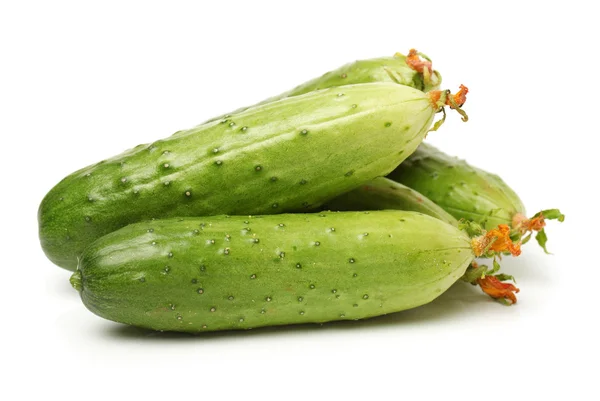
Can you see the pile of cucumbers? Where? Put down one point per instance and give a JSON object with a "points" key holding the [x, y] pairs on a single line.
{"points": [[316, 205]]}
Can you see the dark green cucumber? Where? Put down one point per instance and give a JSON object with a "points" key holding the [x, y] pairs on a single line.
{"points": [[287, 155], [383, 193], [470, 193], [464, 191], [383, 69], [236, 272]]}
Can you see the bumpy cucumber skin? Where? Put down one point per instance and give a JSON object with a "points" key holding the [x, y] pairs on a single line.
{"points": [[464, 191], [220, 272], [268, 159], [361, 72], [385, 194]]}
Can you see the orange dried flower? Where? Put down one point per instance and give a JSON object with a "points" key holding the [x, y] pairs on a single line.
{"points": [[415, 62], [523, 224], [497, 240], [497, 289], [459, 98]]}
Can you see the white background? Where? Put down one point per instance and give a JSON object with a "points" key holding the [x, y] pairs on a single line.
{"points": [[82, 82]]}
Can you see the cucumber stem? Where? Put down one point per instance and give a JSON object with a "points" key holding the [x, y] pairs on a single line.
{"points": [[76, 281]]}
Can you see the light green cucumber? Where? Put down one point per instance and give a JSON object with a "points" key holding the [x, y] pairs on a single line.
{"points": [[467, 192], [383, 193], [287, 155], [242, 272], [393, 69]]}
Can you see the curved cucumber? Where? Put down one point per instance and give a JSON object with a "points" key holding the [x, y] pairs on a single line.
{"points": [[267, 159], [464, 191], [235, 272], [383, 69], [383, 193]]}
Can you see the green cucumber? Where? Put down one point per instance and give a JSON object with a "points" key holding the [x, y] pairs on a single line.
{"points": [[394, 69], [464, 191], [287, 155], [467, 192], [236, 272], [383, 193]]}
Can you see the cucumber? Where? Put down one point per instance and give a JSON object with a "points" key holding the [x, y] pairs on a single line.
{"points": [[287, 155], [408, 70], [236, 272], [464, 191], [383, 193], [470, 193]]}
